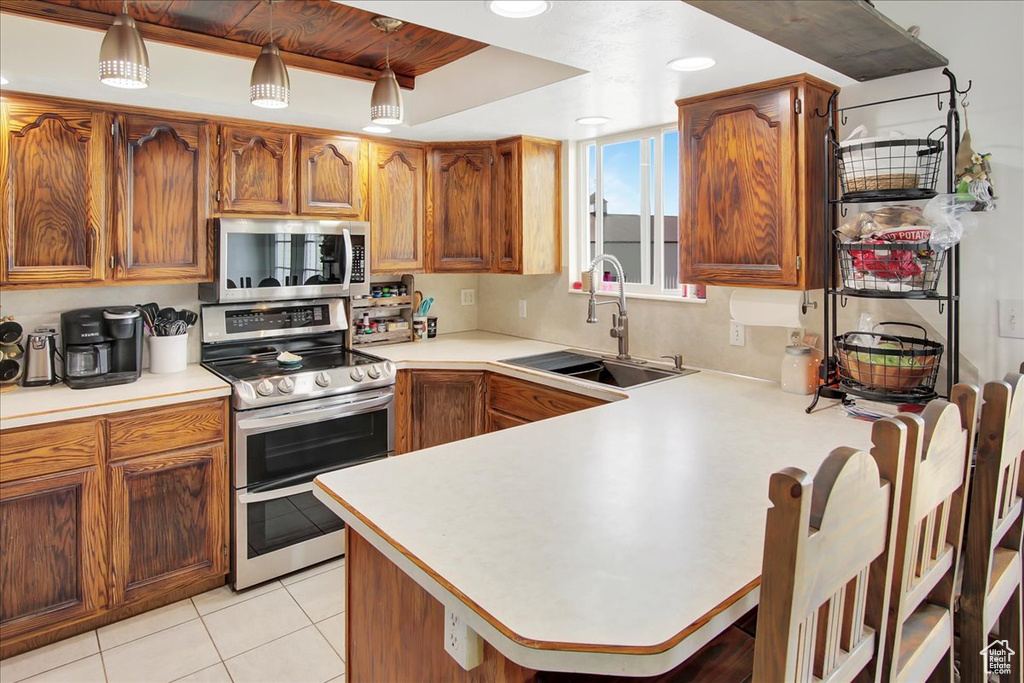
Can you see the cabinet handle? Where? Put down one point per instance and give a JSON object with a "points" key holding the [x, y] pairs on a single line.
{"points": [[218, 195], [111, 261]]}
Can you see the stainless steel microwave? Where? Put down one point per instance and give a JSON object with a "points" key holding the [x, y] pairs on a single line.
{"points": [[267, 259]]}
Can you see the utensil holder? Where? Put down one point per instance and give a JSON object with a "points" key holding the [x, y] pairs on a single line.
{"points": [[168, 354]]}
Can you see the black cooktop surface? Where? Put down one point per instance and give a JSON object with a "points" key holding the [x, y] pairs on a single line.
{"points": [[268, 366]]}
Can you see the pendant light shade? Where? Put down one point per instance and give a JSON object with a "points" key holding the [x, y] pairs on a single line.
{"points": [[124, 62], [269, 86], [386, 100]]}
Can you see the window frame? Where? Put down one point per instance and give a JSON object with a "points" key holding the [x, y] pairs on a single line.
{"points": [[651, 207]]}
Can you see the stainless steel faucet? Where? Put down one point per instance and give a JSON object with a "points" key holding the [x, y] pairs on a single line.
{"points": [[620, 322]]}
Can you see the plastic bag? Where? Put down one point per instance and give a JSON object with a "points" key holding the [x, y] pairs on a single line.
{"points": [[946, 214], [865, 324]]}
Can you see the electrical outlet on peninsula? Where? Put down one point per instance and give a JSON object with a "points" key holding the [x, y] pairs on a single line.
{"points": [[468, 297], [461, 642]]}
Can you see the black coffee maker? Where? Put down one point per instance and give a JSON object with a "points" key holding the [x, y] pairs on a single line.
{"points": [[102, 346]]}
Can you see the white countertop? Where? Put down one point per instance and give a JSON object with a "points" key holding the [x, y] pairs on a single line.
{"points": [[25, 406], [617, 529]]}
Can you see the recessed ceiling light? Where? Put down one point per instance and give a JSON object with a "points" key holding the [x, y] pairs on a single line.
{"points": [[691, 63], [518, 9], [3, 81], [376, 129], [593, 120]]}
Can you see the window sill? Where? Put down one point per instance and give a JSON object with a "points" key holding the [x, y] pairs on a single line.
{"points": [[650, 297]]}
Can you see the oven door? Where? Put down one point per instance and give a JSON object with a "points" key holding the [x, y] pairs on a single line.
{"points": [[279, 526]]}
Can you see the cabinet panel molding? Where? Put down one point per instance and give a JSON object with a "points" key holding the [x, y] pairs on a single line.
{"points": [[332, 176], [54, 550], [162, 429], [459, 208], [396, 208], [257, 171]]}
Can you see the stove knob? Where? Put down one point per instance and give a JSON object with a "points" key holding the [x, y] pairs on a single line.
{"points": [[373, 371], [389, 368], [357, 374], [286, 386], [265, 388], [323, 379]]}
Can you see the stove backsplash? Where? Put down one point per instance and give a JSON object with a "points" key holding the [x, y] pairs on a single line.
{"points": [[37, 307]]}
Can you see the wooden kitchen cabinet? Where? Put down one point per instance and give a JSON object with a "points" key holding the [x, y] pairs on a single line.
{"points": [[52, 527], [531, 402], [103, 518], [459, 207], [163, 227], [168, 520], [56, 160], [527, 219], [446, 406], [332, 176], [751, 169], [397, 176], [257, 170]]}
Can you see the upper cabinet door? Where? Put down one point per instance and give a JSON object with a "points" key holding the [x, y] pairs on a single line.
{"points": [[332, 176], [257, 171], [56, 185], [396, 208], [460, 208], [163, 214], [508, 207], [740, 209]]}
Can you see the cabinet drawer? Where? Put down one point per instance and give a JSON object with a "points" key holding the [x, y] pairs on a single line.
{"points": [[497, 420], [165, 429], [532, 402], [46, 449]]}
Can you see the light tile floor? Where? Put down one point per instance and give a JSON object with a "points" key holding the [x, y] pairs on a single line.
{"points": [[287, 631]]}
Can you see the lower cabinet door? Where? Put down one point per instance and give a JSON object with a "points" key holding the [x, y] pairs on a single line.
{"points": [[168, 521], [446, 406], [497, 420], [52, 550]]}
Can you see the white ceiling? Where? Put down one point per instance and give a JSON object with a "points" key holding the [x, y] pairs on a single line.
{"points": [[579, 59]]}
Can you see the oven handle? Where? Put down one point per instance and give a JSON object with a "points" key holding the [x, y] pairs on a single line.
{"points": [[347, 236], [264, 496], [352, 407]]}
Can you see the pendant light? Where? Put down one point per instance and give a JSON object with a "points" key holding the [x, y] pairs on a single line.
{"points": [[386, 100], [270, 86], [124, 62]]}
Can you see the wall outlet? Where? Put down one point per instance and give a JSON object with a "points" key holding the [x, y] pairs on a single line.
{"points": [[737, 334], [1011, 318], [461, 642], [469, 297], [522, 308]]}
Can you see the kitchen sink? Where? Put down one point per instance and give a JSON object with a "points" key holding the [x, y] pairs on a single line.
{"points": [[593, 368]]}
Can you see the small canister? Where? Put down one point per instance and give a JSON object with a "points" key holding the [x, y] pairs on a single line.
{"points": [[800, 369]]}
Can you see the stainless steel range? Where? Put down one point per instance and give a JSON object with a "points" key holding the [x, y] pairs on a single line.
{"points": [[302, 405]]}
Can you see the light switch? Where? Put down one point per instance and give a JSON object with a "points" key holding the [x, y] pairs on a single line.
{"points": [[1011, 318]]}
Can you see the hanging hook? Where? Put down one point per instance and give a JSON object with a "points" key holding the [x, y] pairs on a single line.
{"points": [[842, 118], [942, 306], [842, 301], [938, 101], [807, 303], [843, 211]]}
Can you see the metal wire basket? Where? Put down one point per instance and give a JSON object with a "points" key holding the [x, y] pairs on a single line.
{"points": [[890, 268], [880, 169], [891, 367]]}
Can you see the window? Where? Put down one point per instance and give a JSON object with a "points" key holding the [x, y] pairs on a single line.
{"points": [[631, 209]]}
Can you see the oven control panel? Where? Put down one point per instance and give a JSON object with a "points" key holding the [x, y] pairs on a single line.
{"points": [[256, 321], [277, 318]]}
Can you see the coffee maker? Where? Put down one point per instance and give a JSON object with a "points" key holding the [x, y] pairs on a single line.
{"points": [[102, 346]]}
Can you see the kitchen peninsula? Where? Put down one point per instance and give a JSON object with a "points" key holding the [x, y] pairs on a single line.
{"points": [[618, 539]]}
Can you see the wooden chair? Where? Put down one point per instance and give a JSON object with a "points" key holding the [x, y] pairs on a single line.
{"points": [[827, 566], [929, 533], [992, 573]]}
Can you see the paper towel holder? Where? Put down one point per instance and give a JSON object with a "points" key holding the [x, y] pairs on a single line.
{"points": [[807, 303]]}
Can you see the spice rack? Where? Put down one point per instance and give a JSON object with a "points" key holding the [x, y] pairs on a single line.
{"points": [[838, 293], [380, 310]]}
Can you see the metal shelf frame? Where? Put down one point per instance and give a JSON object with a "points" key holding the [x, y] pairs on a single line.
{"points": [[836, 298]]}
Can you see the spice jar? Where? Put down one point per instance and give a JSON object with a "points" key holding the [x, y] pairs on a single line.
{"points": [[800, 369]]}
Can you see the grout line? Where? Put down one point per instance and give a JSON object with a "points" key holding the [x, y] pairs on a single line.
{"points": [[215, 648], [70, 661], [272, 640], [248, 595], [341, 655], [132, 640]]}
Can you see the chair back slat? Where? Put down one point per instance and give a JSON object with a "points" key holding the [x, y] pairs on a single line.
{"points": [[826, 543], [931, 515]]}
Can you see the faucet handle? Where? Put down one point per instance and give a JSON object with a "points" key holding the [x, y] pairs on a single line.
{"points": [[676, 358]]}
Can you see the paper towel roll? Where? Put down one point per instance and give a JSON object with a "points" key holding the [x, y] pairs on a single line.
{"points": [[766, 307]]}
